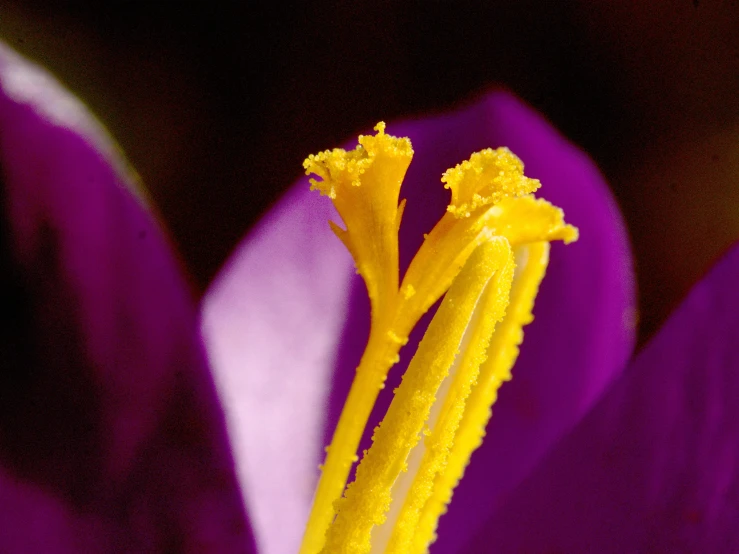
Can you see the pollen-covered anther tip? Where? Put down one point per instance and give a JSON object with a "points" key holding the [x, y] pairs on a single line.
{"points": [[388, 145], [486, 178], [336, 168]]}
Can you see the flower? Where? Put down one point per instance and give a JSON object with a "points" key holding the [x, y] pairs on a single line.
{"points": [[111, 434]]}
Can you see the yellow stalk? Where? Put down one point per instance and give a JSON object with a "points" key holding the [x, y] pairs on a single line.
{"points": [[367, 499], [439, 440], [377, 359], [502, 354], [492, 210]]}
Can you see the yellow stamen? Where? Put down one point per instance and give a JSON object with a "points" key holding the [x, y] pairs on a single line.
{"points": [[442, 435], [492, 214], [367, 499], [501, 355], [447, 246]]}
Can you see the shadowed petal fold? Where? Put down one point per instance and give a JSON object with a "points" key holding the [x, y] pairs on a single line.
{"points": [[655, 466], [111, 434]]}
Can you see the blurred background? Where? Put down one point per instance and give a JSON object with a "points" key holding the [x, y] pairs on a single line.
{"points": [[217, 103]]}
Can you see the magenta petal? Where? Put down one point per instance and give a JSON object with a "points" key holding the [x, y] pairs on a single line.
{"points": [[655, 466], [111, 434]]}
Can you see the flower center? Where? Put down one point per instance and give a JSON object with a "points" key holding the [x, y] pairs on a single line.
{"points": [[486, 256]]}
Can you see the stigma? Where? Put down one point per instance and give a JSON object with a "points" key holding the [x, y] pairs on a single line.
{"points": [[486, 257]]}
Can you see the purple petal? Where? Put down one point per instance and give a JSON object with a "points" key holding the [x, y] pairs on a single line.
{"points": [[655, 466], [111, 435]]}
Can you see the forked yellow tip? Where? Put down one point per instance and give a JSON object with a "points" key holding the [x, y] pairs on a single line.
{"points": [[493, 222]]}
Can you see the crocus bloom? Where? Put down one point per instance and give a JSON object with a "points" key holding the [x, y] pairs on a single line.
{"points": [[112, 437]]}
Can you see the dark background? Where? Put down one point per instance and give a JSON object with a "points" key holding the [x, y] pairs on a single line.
{"points": [[217, 103]]}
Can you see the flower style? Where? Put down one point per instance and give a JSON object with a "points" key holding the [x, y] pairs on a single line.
{"points": [[492, 225], [112, 437]]}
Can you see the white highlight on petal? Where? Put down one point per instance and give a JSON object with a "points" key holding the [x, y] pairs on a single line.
{"points": [[30, 84], [272, 323]]}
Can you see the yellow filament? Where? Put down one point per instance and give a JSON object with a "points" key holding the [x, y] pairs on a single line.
{"points": [[502, 354], [445, 249], [364, 185], [377, 359], [491, 213], [439, 441], [367, 499]]}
